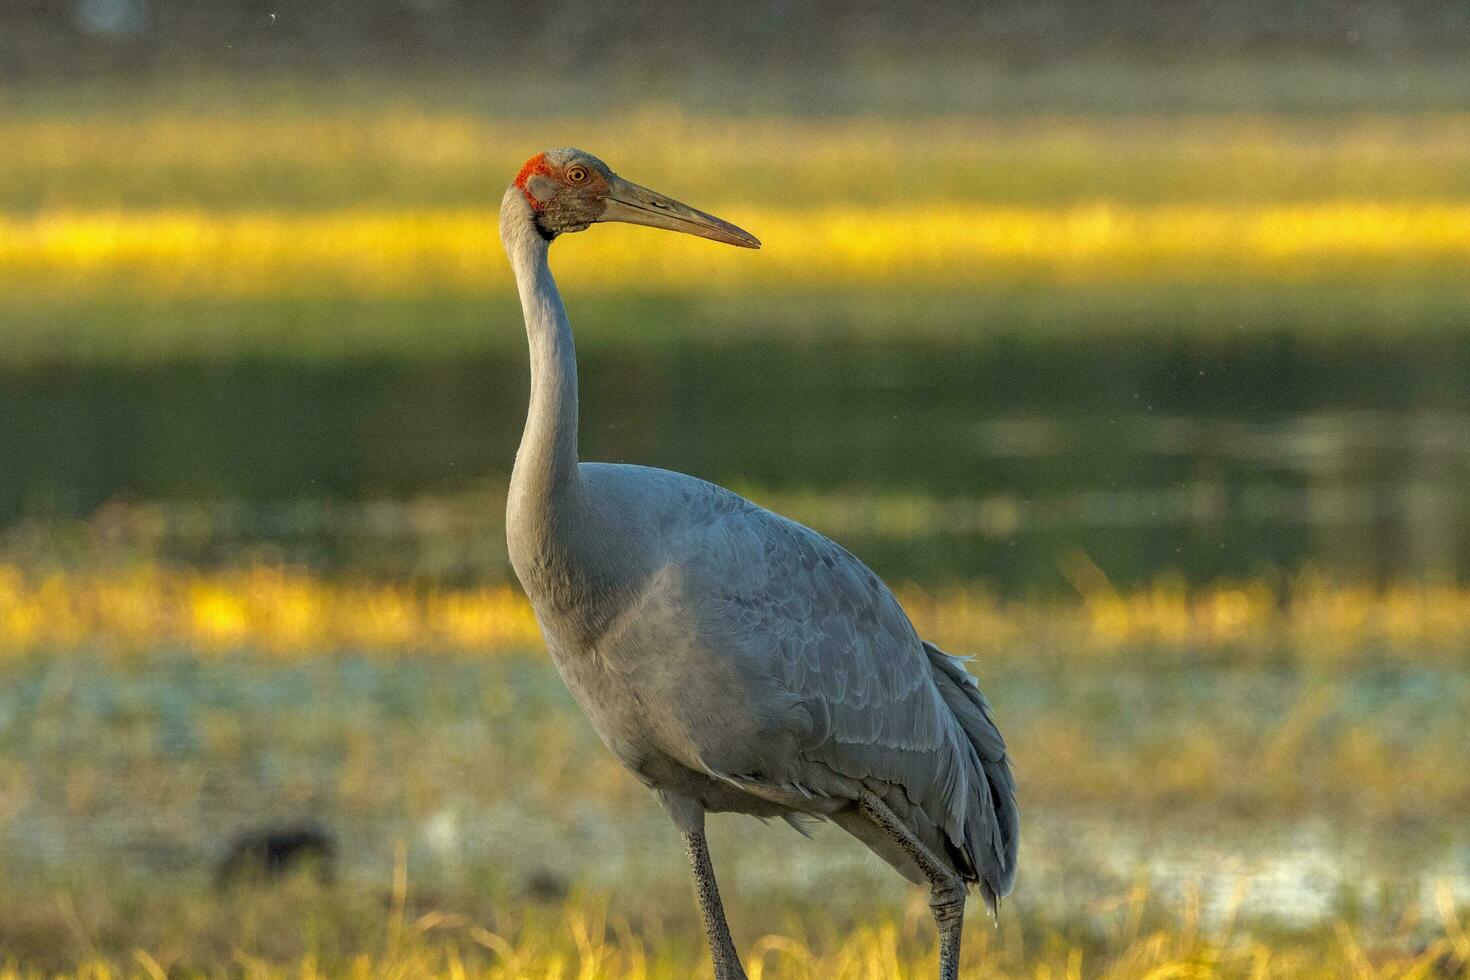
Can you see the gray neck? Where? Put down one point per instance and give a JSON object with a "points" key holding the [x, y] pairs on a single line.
{"points": [[569, 553], [546, 463]]}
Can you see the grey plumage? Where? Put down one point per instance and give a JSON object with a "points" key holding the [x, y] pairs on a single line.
{"points": [[732, 659]]}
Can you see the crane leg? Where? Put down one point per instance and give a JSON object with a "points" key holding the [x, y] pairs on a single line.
{"points": [[721, 946], [946, 889]]}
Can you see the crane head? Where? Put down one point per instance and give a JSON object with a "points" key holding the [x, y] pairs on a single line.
{"points": [[570, 190]]}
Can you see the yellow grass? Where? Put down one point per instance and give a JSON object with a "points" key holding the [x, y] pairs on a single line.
{"points": [[589, 944], [388, 252], [294, 613], [833, 158]]}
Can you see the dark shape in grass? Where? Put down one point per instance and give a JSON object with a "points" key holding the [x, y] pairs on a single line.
{"points": [[546, 886], [269, 853]]}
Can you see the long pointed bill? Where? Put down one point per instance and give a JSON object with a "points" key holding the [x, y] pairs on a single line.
{"points": [[636, 205]]}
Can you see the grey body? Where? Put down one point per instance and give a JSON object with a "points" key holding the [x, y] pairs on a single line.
{"points": [[735, 660], [742, 662]]}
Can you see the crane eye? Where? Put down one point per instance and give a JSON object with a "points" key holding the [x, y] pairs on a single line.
{"points": [[577, 174]]}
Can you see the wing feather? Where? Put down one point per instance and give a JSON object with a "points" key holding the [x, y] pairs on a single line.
{"points": [[828, 636]]}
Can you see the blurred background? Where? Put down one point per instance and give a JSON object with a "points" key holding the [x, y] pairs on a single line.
{"points": [[1127, 340]]}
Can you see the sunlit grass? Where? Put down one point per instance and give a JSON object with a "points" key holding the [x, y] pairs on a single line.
{"points": [[151, 232], [183, 253], [586, 941], [230, 157], [398, 202], [291, 612]]}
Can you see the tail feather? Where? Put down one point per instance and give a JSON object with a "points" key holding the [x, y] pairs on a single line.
{"points": [[993, 824]]}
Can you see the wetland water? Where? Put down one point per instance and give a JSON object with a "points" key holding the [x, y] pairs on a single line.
{"points": [[935, 462]]}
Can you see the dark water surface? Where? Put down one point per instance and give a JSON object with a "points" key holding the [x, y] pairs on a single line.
{"points": [[1212, 458]]}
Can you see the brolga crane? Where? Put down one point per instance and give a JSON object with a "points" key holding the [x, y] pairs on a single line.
{"points": [[733, 660]]}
